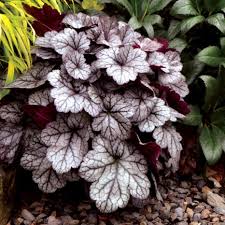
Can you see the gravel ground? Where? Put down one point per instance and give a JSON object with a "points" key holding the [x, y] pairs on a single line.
{"points": [[194, 202]]}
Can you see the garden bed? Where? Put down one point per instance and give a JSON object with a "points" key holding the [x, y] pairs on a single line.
{"points": [[184, 202]]}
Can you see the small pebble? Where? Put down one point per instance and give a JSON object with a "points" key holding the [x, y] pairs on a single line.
{"points": [[197, 217], [27, 215], [205, 214], [190, 213]]}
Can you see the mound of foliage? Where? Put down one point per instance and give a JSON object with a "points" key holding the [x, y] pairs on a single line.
{"points": [[196, 29], [96, 90]]}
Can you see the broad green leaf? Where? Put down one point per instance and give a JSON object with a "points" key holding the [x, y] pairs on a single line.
{"points": [[214, 5], [194, 118], [134, 23], [211, 142], [149, 28], [218, 21], [127, 5], [222, 44], [157, 5], [191, 69], [153, 19], [174, 29], [212, 91], [187, 24], [183, 7], [178, 44], [211, 56], [217, 118]]}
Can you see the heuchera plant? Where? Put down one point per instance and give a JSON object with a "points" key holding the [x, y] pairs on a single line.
{"points": [[96, 89]]}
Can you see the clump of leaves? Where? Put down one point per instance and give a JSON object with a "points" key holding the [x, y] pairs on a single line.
{"points": [[95, 86], [209, 116], [144, 13]]}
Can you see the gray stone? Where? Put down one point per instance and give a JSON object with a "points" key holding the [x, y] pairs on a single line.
{"points": [[27, 215], [219, 210], [197, 217]]}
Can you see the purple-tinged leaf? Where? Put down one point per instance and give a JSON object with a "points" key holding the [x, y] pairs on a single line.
{"points": [[95, 73], [76, 66], [34, 159], [113, 122], [78, 21], [180, 87], [127, 35], [35, 152], [41, 115], [47, 179], [44, 48], [117, 171], [73, 96], [10, 136], [168, 137], [158, 60], [45, 53], [66, 139], [108, 30], [33, 78], [45, 41], [148, 45], [12, 112], [123, 64], [159, 114], [69, 40], [41, 97], [175, 115], [140, 101]]}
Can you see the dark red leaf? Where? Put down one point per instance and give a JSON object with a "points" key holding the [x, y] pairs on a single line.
{"points": [[47, 19], [41, 115], [165, 44], [173, 99], [151, 151]]}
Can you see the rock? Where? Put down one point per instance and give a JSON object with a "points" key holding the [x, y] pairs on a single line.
{"points": [[173, 216], [219, 210], [197, 217], [199, 208], [180, 213], [213, 199], [92, 219], [27, 215], [19, 221], [190, 213], [215, 182], [74, 222], [215, 219], [52, 220], [143, 223], [182, 190], [201, 184], [184, 184], [182, 223], [205, 214]]}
